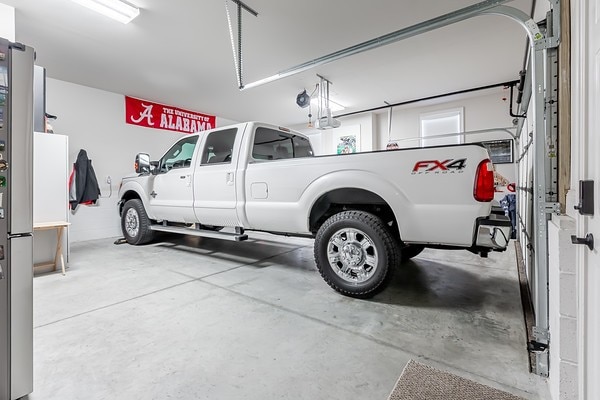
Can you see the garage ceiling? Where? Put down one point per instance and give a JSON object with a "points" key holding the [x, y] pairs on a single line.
{"points": [[179, 52]]}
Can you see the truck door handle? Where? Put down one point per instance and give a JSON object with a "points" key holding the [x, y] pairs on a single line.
{"points": [[188, 179], [229, 178], [588, 240]]}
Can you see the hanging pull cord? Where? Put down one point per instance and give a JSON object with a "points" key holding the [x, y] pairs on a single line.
{"points": [[390, 111], [310, 106]]}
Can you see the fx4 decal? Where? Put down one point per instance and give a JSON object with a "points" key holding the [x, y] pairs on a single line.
{"points": [[435, 166]]}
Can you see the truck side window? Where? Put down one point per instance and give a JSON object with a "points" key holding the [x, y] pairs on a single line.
{"points": [[180, 155], [219, 147], [271, 144], [302, 147]]}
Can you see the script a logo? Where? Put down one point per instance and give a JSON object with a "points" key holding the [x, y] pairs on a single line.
{"points": [[146, 114], [436, 166]]}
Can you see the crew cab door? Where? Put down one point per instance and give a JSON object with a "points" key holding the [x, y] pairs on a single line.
{"points": [[214, 181], [275, 180], [172, 196]]}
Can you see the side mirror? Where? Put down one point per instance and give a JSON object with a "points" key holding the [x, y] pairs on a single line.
{"points": [[142, 163]]}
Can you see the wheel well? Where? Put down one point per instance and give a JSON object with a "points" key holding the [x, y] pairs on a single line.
{"points": [[351, 199], [130, 194]]}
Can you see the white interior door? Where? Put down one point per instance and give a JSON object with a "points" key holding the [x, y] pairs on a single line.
{"points": [[591, 224]]}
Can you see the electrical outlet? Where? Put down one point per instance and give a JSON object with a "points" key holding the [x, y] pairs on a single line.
{"points": [[108, 180]]}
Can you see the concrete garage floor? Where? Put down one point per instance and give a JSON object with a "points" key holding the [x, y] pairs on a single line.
{"points": [[192, 318]]}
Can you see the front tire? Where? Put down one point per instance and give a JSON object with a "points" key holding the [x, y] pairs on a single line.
{"points": [[355, 253], [135, 223]]}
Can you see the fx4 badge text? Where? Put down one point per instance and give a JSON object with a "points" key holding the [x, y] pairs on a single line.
{"points": [[437, 166]]}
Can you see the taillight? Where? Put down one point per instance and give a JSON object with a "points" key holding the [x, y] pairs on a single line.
{"points": [[484, 182]]}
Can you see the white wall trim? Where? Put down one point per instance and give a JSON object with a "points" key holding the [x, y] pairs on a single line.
{"points": [[578, 124], [562, 285]]}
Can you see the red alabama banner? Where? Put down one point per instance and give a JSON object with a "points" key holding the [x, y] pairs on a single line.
{"points": [[159, 116]]}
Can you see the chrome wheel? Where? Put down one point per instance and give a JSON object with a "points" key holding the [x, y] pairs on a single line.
{"points": [[354, 251], [135, 224], [132, 222], [352, 255]]}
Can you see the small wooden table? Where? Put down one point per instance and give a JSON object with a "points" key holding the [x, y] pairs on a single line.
{"points": [[60, 227]]}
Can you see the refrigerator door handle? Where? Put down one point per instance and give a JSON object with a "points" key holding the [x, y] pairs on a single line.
{"points": [[18, 235], [20, 150]]}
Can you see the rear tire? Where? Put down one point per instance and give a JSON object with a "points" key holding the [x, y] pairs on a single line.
{"points": [[355, 253], [135, 223], [409, 251]]}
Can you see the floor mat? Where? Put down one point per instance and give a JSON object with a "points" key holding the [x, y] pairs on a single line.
{"points": [[422, 382]]}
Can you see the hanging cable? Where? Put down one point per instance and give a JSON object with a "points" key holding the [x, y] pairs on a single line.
{"points": [[520, 87], [327, 94], [390, 109], [310, 124], [320, 99]]}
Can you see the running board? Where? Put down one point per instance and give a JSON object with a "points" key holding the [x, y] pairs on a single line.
{"points": [[238, 237]]}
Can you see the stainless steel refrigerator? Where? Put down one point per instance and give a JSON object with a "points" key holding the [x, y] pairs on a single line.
{"points": [[16, 220]]}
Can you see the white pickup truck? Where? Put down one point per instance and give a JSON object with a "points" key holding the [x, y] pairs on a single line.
{"points": [[367, 212]]}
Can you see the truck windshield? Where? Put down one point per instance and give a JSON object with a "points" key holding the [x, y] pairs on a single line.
{"points": [[271, 144]]}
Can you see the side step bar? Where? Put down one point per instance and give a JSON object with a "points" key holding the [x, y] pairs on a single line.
{"points": [[238, 237]]}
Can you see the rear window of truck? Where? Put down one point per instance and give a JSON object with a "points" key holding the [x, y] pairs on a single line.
{"points": [[271, 144]]}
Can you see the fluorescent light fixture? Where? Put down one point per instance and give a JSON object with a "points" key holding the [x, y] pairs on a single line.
{"points": [[115, 9], [314, 101]]}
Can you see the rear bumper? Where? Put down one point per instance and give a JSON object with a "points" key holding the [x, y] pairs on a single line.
{"points": [[493, 232]]}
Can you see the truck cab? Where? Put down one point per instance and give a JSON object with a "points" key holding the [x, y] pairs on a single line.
{"points": [[198, 179]]}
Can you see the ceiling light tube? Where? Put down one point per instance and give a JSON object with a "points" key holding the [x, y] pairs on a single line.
{"points": [[115, 9]]}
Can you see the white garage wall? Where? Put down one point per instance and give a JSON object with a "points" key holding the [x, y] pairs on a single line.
{"points": [[94, 120], [482, 110], [7, 22], [322, 140]]}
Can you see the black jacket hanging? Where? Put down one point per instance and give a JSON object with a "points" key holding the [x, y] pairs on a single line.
{"points": [[83, 185]]}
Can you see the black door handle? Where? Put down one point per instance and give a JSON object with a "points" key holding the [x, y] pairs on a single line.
{"points": [[588, 240]]}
